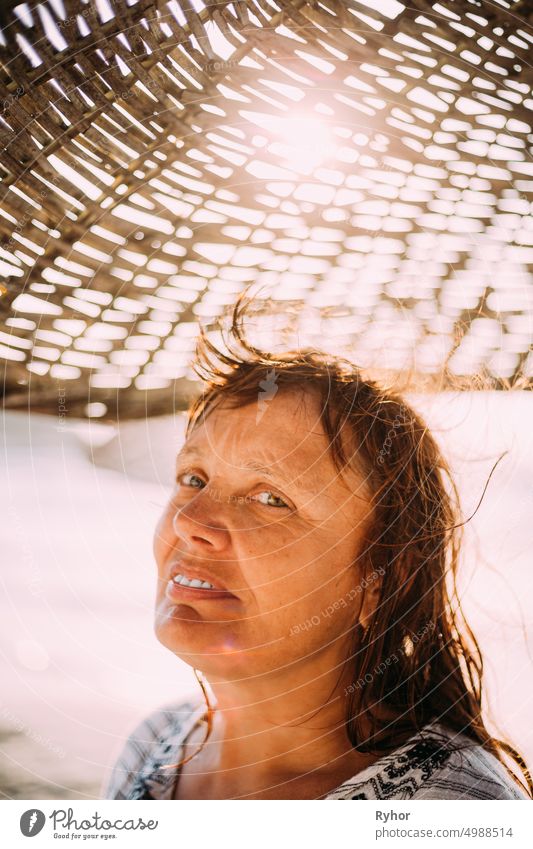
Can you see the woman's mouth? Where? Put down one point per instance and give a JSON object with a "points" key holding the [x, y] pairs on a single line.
{"points": [[180, 588]]}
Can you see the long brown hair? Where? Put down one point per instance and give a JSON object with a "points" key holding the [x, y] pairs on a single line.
{"points": [[418, 660]]}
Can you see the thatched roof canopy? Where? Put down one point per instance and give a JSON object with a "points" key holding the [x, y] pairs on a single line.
{"points": [[365, 159]]}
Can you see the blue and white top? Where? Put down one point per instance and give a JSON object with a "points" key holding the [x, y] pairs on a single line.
{"points": [[427, 766]]}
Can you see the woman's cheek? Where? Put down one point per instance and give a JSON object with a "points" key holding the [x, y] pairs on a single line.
{"points": [[163, 535], [289, 601]]}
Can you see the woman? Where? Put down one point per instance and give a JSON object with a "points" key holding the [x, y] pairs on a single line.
{"points": [[306, 564]]}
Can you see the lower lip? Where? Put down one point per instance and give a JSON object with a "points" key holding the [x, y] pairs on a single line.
{"points": [[178, 592]]}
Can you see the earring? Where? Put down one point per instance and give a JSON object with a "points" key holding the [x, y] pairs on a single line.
{"points": [[207, 718], [369, 628]]}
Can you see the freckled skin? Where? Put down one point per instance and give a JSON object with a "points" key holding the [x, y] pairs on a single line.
{"points": [[286, 565]]}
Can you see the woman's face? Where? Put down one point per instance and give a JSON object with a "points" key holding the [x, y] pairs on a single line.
{"points": [[260, 511]]}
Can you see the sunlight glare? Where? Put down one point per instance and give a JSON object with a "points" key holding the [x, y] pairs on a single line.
{"points": [[304, 142]]}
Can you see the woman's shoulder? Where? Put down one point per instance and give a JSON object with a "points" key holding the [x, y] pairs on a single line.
{"points": [[469, 772], [152, 732], [436, 763]]}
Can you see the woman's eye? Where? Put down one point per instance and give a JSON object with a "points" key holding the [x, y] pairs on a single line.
{"points": [[190, 479], [275, 501]]}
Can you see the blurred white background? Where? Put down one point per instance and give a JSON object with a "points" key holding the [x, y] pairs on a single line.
{"points": [[78, 657]]}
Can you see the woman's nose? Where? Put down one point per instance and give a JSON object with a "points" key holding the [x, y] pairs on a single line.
{"points": [[198, 522]]}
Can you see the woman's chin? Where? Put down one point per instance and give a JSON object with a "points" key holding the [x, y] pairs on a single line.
{"points": [[203, 645], [215, 648]]}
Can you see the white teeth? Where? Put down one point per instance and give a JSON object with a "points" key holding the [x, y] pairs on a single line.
{"points": [[181, 579], [195, 583]]}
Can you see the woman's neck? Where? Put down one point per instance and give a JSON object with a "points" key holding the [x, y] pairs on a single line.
{"points": [[270, 732]]}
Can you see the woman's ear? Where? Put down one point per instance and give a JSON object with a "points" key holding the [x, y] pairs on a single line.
{"points": [[371, 585]]}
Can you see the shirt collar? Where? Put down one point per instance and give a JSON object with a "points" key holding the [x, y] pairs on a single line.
{"points": [[155, 782]]}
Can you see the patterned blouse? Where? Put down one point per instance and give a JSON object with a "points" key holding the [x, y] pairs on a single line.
{"points": [[427, 766]]}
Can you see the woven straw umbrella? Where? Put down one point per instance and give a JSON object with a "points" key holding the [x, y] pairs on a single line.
{"points": [[368, 163]]}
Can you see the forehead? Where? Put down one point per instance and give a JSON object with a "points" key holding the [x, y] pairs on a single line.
{"points": [[284, 434]]}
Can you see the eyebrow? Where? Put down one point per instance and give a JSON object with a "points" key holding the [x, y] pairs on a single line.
{"points": [[249, 465]]}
